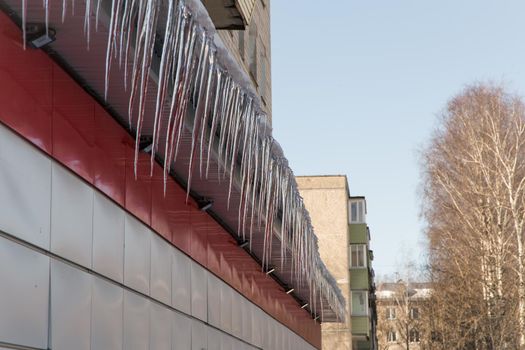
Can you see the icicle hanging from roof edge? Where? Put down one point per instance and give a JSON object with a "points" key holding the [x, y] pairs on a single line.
{"points": [[194, 69]]}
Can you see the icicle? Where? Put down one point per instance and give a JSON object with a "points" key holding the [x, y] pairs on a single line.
{"points": [[170, 42], [148, 32], [24, 22], [87, 22], [210, 79], [215, 113], [109, 47], [97, 12], [46, 7], [200, 105]]}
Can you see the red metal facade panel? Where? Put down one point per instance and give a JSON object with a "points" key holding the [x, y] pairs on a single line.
{"points": [[47, 107], [110, 156]]}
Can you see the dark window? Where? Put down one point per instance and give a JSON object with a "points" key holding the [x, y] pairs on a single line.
{"points": [[414, 336], [390, 313], [391, 336], [414, 313]]}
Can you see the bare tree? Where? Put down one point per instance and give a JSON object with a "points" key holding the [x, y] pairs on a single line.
{"points": [[474, 203]]}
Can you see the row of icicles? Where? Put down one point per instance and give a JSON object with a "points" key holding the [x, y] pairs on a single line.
{"points": [[227, 118]]}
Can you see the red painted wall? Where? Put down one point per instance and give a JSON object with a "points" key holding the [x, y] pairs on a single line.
{"points": [[43, 104]]}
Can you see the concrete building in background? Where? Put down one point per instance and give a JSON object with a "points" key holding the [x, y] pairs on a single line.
{"points": [[344, 244], [400, 309]]}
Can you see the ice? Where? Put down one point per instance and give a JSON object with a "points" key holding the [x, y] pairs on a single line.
{"points": [[229, 124]]}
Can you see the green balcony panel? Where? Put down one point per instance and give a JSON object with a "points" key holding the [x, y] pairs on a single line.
{"points": [[360, 325], [359, 279], [363, 345], [358, 233]]}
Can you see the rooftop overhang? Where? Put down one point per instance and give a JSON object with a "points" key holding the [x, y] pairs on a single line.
{"points": [[193, 106]]}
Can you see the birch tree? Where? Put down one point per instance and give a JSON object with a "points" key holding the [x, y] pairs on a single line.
{"points": [[474, 204]]}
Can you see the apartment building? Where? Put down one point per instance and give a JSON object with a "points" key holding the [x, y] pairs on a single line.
{"points": [[344, 244], [400, 309], [362, 284]]}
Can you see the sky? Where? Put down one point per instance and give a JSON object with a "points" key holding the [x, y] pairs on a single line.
{"points": [[357, 86]]}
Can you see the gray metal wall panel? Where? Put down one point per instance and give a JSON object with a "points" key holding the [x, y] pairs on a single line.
{"points": [[161, 326], [181, 333], [181, 281], [160, 270], [199, 299], [226, 307], [256, 325], [214, 300], [107, 315], [108, 238], [136, 322], [25, 190], [265, 331], [71, 216], [236, 314], [214, 339], [226, 342], [246, 320], [137, 255], [199, 339], [70, 307], [278, 335], [24, 295]]}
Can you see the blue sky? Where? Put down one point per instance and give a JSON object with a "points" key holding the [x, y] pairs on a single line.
{"points": [[357, 86]]}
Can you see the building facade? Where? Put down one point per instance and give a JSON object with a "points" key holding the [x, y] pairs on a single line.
{"points": [[400, 310], [362, 286], [129, 206], [344, 245], [251, 46]]}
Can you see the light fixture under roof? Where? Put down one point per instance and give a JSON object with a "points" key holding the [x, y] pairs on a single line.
{"points": [[304, 305], [37, 35], [270, 270], [204, 203], [290, 290]]}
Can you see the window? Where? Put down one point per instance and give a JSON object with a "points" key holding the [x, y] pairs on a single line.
{"points": [[390, 313], [414, 313], [414, 336], [358, 255], [357, 211], [252, 51], [391, 336], [359, 303]]}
